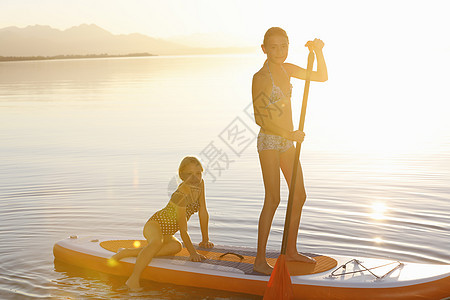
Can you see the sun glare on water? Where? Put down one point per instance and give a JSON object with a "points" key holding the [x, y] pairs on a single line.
{"points": [[378, 240], [378, 211]]}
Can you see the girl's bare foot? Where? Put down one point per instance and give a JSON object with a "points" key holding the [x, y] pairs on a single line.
{"points": [[263, 268], [300, 258], [119, 255], [115, 257], [133, 285]]}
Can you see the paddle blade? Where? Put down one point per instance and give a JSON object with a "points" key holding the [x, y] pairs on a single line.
{"points": [[280, 285]]}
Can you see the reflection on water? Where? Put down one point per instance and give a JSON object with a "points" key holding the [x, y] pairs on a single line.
{"points": [[90, 147], [378, 209], [378, 240]]}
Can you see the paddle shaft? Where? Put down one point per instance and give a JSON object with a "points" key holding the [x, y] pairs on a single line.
{"points": [[297, 152]]}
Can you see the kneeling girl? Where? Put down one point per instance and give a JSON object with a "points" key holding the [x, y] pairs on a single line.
{"points": [[159, 230]]}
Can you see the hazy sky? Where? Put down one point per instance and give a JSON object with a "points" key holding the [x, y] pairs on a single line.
{"points": [[395, 22], [389, 58]]}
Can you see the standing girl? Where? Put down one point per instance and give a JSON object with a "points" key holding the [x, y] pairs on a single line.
{"points": [[271, 91], [159, 230]]}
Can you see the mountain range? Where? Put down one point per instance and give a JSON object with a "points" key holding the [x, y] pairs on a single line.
{"points": [[41, 40]]}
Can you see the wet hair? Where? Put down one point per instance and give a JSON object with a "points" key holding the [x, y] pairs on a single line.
{"points": [[188, 160], [274, 31]]}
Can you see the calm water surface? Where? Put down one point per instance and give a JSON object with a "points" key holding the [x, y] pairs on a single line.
{"points": [[90, 147]]}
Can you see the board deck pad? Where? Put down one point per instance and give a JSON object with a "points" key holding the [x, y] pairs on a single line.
{"points": [[241, 259]]}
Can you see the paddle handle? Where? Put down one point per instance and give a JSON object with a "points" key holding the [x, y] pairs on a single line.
{"points": [[309, 67], [297, 151]]}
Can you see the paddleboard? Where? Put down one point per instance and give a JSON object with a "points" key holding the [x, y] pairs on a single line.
{"points": [[231, 269]]}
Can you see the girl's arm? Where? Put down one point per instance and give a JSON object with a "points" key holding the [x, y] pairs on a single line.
{"points": [[264, 113], [182, 223], [321, 75], [204, 218]]}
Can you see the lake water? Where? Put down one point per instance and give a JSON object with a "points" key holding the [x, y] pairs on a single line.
{"points": [[91, 147]]}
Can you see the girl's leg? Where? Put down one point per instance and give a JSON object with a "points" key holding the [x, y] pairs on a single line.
{"points": [[128, 252], [171, 246], [270, 166], [287, 165], [154, 236]]}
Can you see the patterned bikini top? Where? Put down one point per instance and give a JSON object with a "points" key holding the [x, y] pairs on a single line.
{"points": [[192, 208], [277, 93], [190, 201]]}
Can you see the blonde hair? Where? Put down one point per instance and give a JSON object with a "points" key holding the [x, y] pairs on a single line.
{"points": [[274, 31], [188, 160]]}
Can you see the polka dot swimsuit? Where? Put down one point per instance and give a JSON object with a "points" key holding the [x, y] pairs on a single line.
{"points": [[167, 217]]}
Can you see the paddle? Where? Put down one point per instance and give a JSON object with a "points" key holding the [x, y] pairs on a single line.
{"points": [[280, 285]]}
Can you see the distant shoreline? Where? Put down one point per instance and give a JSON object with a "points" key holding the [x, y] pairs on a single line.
{"points": [[104, 55]]}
